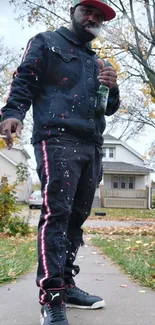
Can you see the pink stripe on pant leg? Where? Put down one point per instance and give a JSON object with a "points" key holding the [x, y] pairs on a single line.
{"points": [[46, 216]]}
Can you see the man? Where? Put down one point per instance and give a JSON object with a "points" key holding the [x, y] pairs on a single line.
{"points": [[60, 75]]}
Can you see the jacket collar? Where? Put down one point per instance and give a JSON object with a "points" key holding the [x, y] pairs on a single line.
{"points": [[67, 33]]}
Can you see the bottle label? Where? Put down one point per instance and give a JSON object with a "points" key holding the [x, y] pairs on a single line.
{"points": [[102, 99]]}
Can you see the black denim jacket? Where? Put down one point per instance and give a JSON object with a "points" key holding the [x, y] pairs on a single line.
{"points": [[58, 76]]}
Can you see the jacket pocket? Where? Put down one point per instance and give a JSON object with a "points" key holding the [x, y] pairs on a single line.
{"points": [[64, 69], [66, 57]]}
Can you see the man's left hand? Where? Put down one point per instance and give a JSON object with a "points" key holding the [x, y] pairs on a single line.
{"points": [[107, 75]]}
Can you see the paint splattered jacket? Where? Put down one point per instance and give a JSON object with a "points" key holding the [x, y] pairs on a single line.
{"points": [[58, 76]]}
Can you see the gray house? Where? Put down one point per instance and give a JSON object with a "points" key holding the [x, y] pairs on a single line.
{"points": [[9, 160], [126, 180]]}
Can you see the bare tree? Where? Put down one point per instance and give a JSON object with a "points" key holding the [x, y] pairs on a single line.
{"points": [[129, 40], [133, 32], [8, 62]]}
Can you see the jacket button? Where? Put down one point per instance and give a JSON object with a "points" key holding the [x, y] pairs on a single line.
{"points": [[90, 79], [88, 61], [91, 120], [92, 99]]}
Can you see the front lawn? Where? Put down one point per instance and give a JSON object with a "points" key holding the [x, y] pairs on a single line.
{"points": [[17, 256], [135, 255], [124, 214]]}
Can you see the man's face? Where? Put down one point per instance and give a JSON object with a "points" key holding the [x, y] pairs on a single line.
{"points": [[86, 22]]}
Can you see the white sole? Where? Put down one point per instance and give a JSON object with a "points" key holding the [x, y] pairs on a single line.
{"points": [[96, 305], [41, 319]]}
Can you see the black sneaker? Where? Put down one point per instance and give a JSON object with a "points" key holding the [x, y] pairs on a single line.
{"points": [[77, 298], [54, 312]]}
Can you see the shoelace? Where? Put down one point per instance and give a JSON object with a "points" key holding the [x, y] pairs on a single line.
{"points": [[56, 313], [80, 290]]}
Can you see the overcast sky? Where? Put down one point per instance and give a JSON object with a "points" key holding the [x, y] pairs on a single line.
{"points": [[17, 37]]}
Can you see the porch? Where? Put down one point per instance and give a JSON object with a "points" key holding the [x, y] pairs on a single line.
{"points": [[117, 198]]}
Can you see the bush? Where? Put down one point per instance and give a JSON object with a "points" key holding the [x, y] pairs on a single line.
{"points": [[17, 225], [8, 206], [7, 202], [153, 201]]}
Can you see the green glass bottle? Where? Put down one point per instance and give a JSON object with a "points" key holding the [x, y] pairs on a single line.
{"points": [[103, 95]]}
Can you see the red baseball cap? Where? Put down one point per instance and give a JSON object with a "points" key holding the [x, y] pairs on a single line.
{"points": [[108, 12]]}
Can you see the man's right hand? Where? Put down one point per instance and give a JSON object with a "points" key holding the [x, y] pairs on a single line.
{"points": [[9, 126]]}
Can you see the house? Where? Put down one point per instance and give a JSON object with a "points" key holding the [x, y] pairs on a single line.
{"points": [[126, 179], [9, 161]]}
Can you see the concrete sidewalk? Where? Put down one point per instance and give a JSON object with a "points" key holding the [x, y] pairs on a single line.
{"points": [[124, 306]]}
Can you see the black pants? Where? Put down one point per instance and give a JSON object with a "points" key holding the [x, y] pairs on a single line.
{"points": [[69, 173]]}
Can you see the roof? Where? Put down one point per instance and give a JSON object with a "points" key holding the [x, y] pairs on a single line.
{"points": [[8, 159], [109, 139], [11, 160], [25, 153], [122, 167]]}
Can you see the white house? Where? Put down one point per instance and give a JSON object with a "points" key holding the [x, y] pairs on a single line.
{"points": [[9, 160], [126, 179]]}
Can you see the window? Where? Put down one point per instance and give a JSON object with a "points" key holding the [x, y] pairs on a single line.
{"points": [[108, 152], [131, 183], [115, 182], [111, 152], [104, 152], [123, 182]]}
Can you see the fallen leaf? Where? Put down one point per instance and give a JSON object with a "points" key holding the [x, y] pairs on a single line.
{"points": [[123, 285], [127, 248], [147, 264], [11, 273], [153, 276], [32, 249], [134, 248]]}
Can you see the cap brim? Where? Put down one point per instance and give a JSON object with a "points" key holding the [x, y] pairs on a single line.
{"points": [[107, 11]]}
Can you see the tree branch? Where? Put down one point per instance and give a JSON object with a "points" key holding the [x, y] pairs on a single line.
{"points": [[124, 12], [135, 30], [50, 11], [149, 18]]}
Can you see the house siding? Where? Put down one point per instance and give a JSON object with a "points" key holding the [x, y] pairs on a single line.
{"points": [[24, 190], [7, 169], [140, 183], [16, 155], [123, 154], [107, 182]]}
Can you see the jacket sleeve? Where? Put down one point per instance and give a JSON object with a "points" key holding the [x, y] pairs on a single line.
{"points": [[113, 101], [26, 80]]}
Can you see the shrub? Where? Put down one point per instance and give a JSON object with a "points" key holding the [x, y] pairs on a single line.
{"points": [[153, 201], [7, 202], [9, 222], [17, 225]]}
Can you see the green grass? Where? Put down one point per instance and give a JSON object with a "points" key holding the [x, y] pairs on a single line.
{"points": [[22, 205], [125, 214], [135, 255], [17, 256]]}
